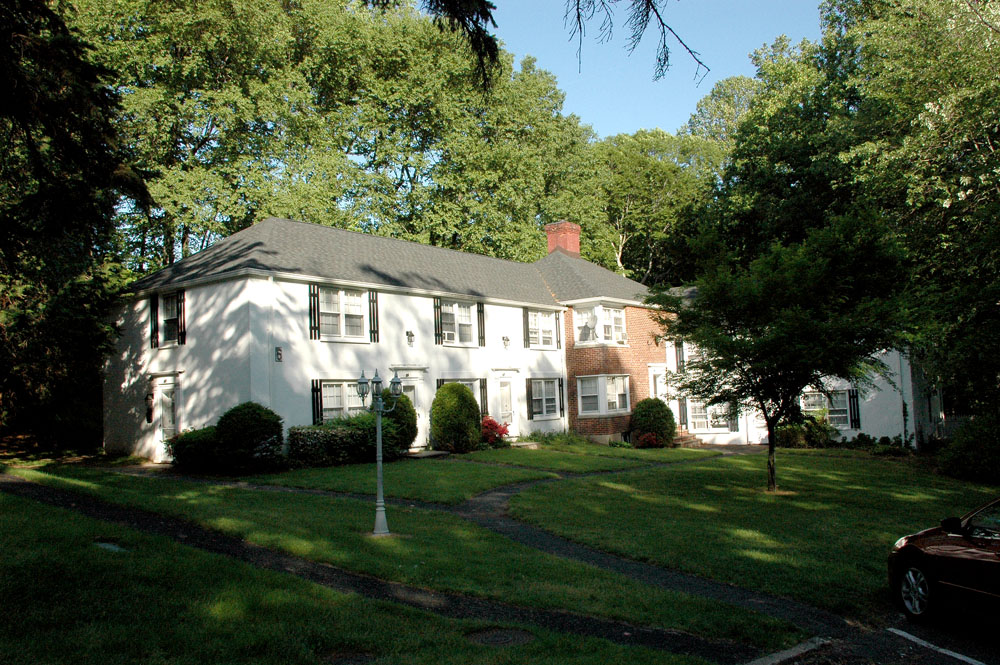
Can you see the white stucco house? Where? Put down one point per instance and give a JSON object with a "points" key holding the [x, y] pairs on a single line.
{"points": [[288, 314]]}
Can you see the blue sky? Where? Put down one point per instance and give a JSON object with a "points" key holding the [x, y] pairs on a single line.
{"points": [[614, 91]]}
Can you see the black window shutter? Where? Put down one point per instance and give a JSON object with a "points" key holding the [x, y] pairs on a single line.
{"points": [[734, 419], [562, 400], [373, 316], [317, 402], [558, 332], [181, 327], [438, 333], [483, 403], [679, 348], [682, 411], [154, 321], [854, 408], [527, 335], [440, 382], [527, 397], [314, 311], [481, 311]]}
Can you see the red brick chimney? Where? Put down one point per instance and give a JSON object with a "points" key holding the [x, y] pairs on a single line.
{"points": [[565, 236]]}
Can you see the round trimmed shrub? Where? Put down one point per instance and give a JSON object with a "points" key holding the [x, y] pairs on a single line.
{"points": [[194, 450], [404, 421], [653, 424], [248, 437], [455, 424]]}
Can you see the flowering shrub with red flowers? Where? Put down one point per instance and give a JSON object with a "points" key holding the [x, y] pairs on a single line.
{"points": [[494, 433]]}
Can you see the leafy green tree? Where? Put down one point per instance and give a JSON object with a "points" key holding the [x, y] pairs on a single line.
{"points": [[719, 114], [60, 173], [651, 179], [799, 279], [929, 84]]}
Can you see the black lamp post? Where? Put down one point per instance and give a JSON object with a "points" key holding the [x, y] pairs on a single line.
{"points": [[379, 407]]}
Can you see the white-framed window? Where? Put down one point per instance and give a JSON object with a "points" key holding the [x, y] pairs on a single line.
{"points": [[456, 322], [340, 398], [341, 313], [614, 325], [600, 324], [603, 394], [702, 416], [834, 407], [541, 329], [544, 398], [171, 318]]}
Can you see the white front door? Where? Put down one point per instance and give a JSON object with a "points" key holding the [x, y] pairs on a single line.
{"points": [[166, 401], [507, 408], [423, 427]]}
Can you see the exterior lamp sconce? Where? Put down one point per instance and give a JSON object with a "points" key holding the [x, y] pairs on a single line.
{"points": [[409, 338], [379, 407], [506, 341], [149, 407]]}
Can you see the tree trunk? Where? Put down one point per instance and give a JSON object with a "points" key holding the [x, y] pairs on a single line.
{"points": [[772, 481]]}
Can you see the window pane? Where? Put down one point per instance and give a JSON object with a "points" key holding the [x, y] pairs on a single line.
{"points": [[329, 323], [589, 404], [170, 306], [354, 325], [464, 313], [464, 332], [352, 302], [329, 300], [170, 330], [586, 325]]}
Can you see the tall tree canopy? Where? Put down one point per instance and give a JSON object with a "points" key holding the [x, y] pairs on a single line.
{"points": [[798, 276], [61, 169]]}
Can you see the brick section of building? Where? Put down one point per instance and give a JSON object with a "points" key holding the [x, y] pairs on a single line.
{"points": [[632, 359]]}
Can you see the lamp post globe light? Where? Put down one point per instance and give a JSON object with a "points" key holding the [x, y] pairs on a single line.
{"points": [[378, 407]]}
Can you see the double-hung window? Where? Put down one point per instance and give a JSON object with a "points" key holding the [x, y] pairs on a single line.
{"points": [[834, 407], [614, 325], [456, 322], [541, 329], [171, 317], [603, 394], [341, 313], [339, 399], [702, 416], [544, 400], [600, 324]]}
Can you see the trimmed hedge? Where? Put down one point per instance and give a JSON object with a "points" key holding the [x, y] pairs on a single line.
{"points": [[194, 450], [249, 437], [349, 440], [455, 420], [652, 424], [404, 419]]}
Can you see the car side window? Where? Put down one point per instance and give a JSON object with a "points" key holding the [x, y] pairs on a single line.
{"points": [[985, 523]]}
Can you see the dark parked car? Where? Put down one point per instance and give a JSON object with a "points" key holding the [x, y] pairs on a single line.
{"points": [[962, 556]]}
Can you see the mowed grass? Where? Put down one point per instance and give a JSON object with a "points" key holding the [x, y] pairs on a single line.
{"points": [[584, 458], [67, 601], [822, 538], [429, 549], [433, 480]]}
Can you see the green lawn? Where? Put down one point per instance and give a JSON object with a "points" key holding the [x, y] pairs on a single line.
{"points": [[434, 480], [648, 455], [430, 549], [584, 458], [823, 538], [66, 601]]}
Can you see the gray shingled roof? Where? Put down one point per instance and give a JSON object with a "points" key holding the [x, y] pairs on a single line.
{"points": [[571, 278], [313, 250], [282, 245]]}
